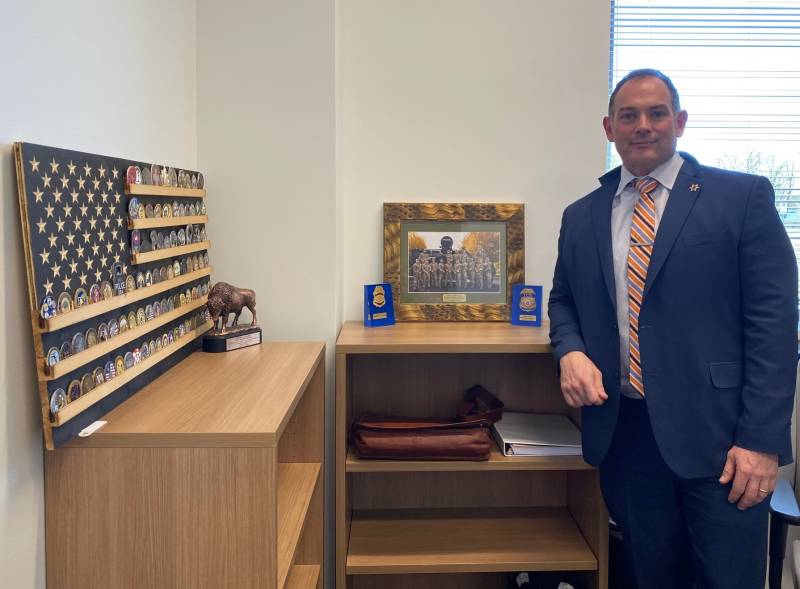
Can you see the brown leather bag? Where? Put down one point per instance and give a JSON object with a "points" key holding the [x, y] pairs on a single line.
{"points": [[464, 437]]}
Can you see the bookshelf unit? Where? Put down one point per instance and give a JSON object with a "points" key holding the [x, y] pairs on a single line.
{"points": [[454, 524], [210, 476]]}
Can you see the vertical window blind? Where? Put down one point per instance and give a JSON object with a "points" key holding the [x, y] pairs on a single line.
{"points": [[736, 65]]}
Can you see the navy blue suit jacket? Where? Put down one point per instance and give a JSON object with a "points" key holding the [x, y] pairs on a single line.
{"points": [[718, 323]]}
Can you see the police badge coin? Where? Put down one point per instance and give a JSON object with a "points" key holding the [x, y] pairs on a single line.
{"points": [[526, 305], [378, 307]]}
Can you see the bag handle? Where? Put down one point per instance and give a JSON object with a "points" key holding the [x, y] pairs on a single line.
{"points": [[480, 404]]}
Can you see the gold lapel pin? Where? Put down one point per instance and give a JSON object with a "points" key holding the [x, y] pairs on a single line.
{"points": [[694, 187]]}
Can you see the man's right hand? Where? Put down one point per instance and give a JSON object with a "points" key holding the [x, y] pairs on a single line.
{"points": [[581, 381]]}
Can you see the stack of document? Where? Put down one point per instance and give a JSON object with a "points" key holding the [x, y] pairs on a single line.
{"points": [[534, 434]]}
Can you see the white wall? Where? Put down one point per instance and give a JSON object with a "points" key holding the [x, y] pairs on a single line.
{"points": [[108, 77], [467, 100]]}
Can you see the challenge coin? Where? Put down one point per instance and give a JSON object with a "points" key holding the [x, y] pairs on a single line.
{"points": [[129, 362], [91, 337], [139, 280], [148, 211], [130, 283], [65, 351], [98, 376], [147, 177], [87, 383], [113, 328], [48, 307], [201, 181], [110, 370], [119, 364], [53, 356], [176, 268], [132, 322], [94, 293], [78, 343], [148, 278], [74, 390], [181, 237], [81, 298], [106, 290], [64, 303], [133, 207], [58, 400], [123, 324]]}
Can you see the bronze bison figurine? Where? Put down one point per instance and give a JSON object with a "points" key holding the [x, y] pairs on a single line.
{"points": [[224, 299]]}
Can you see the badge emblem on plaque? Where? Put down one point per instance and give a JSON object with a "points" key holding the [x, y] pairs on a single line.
{"points": [[526, 305]]}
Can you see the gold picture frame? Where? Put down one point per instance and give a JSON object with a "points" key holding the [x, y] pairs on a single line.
{"points": [[424, 243]]}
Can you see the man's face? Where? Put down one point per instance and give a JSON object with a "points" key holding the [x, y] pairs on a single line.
{"points": [[643, 125]]}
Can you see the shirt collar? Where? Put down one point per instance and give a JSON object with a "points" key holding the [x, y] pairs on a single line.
{"points": [[666, 174]]}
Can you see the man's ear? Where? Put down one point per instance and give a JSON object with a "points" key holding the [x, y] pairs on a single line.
{"points": [[681, 119], [607, 128]]}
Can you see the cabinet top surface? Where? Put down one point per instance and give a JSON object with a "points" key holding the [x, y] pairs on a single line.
{"points": [[442, 337], [238, 398]]}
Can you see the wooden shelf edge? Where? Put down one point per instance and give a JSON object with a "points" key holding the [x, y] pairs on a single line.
{"points": [[166, 222], [169, 252], [303, 576], [496, 462], [444, 348], [76, 361], [296, 484], [85, 401], [153, 190], [93, 310], [401, 541]]}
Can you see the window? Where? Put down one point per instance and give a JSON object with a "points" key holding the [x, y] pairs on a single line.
{"points": [[736, 65]]}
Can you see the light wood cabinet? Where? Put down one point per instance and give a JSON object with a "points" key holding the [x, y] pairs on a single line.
{"points": [[209, 477], [443, 524]]}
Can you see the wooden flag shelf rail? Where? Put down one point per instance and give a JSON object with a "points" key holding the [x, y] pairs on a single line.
{"points": [[169, 252], [85, 401], [76, 235], [77, 360], [174, 191], [166, 222], [88, 311]]}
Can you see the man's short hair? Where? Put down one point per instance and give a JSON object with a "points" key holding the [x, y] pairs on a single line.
{"points": [[646, 73]]}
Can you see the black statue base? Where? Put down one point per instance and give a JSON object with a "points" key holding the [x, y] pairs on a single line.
{"points": [[239, 336]]}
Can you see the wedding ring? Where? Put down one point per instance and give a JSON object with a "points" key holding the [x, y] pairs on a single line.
{"points": [[760, 490]]}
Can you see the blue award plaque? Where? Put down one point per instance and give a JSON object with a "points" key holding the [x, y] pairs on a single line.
{"points": [[526, 305], [378, 306]]}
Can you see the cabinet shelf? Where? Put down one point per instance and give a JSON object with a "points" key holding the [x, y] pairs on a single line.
{"points": [[166, 222], [116, 302], [152, 190], [496, 462], [466, 540], [169, 252], [296, 484]]}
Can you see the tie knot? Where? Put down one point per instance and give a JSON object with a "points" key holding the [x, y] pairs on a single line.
{"points": [[645, 185]]}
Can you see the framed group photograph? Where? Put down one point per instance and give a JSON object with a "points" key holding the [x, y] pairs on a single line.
{"points": [[451, 261]]}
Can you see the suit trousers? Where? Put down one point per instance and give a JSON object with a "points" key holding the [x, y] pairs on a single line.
{"points": [[678, 533]]}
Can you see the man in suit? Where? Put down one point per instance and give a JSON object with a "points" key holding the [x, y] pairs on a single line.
{"points": [[673, 316]]}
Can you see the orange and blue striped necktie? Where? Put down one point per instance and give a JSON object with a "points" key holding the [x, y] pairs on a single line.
{"points": [[643, 235]]}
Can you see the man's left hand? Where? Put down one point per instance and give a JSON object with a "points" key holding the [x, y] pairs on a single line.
{"points": [[754, 476]]}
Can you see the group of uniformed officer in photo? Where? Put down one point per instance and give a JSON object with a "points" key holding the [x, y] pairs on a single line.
{"points": [[459, 271]]}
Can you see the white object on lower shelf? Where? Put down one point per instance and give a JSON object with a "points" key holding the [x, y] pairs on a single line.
{"points": [[534, 434]]}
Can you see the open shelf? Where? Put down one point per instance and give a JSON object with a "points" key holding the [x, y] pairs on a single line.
{"points": [[303, 576], [153, 190], [73, 408], [76, 361], [296, 484], [166, 221], [114, 303], [169, 252], [466, 540], [496, 462]]}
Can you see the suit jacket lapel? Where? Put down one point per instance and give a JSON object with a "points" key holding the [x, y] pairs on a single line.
{"points": [[601, 218], [682, 197]]}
